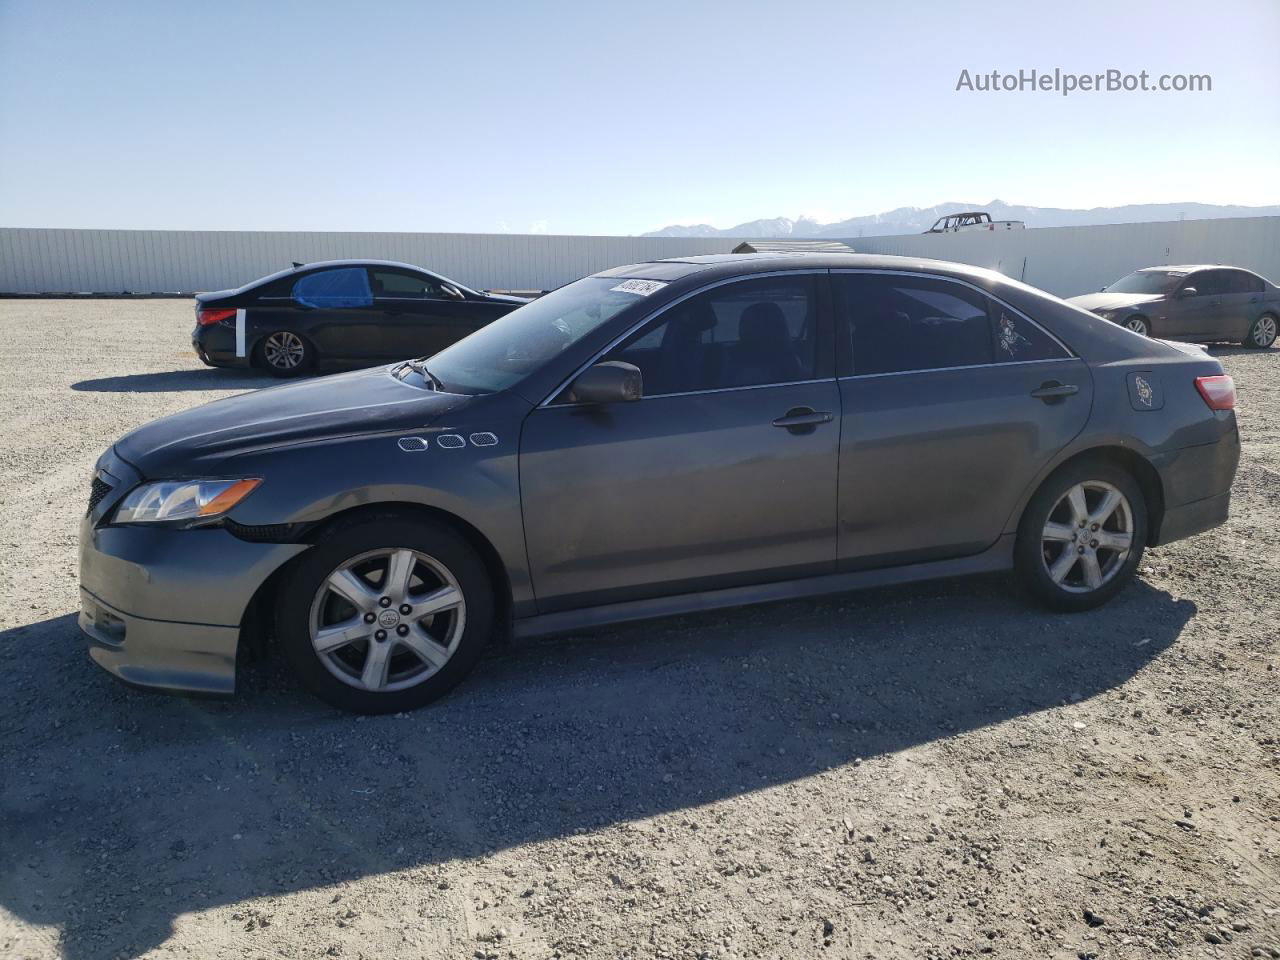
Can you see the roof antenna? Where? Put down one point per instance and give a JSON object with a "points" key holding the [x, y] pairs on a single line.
{"points": [[296, 264]]}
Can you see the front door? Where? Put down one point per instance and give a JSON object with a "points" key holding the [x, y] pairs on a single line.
{"points": [[418, 318], [952, 403], [723, 474], [1197, 314]]}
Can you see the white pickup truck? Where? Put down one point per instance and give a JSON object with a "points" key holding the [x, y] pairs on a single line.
{"points": [[973, 220]]}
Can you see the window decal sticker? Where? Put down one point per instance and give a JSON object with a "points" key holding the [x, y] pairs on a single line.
{"points": [[1010, 338], [641, 288]]}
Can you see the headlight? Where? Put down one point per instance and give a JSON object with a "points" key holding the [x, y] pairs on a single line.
{"points": [[175, 500]]}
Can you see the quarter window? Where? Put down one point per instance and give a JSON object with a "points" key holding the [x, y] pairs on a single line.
{"points": [[745, 334], [329, 289]]}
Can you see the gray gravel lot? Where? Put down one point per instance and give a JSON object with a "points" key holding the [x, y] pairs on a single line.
{"points": [[930, 772]]}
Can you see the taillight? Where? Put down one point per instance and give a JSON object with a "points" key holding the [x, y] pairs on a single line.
{"points": [[1219, 392], [208, 316]]}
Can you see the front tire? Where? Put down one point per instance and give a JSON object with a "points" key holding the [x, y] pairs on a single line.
{"points": [[385, 614], [1082, 536], [285, 354], [1263, 332], [1139, 325]]}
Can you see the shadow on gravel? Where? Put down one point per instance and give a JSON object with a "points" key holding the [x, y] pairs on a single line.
{"points": [[122, 810], [171, 381]]}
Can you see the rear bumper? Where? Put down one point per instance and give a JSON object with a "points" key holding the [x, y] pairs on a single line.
{"points": [[1197, 485], [216, 346]]}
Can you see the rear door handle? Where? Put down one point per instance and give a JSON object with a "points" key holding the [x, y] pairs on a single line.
{"points": [[802, 419], [1054, 392]]}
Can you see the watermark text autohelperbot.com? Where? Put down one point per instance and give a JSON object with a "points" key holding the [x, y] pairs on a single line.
{"points": [[1065, 83]]}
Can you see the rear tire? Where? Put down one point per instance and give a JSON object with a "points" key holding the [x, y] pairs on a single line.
{"points": [[385, 614], [1072, 566], [285, 354], [1263, 332]]}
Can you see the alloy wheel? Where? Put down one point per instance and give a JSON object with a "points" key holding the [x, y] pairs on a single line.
{"points": [[1264, 331], [387, 619], [284, 350], [1137, 325], [1087, 537]]}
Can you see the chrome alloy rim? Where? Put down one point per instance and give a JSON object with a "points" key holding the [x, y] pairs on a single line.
{"points": [[284, 350], [1137, 325], [1087, 537], [387, 619], [1265, 332]]}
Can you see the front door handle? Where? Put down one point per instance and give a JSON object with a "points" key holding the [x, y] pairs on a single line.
{"points": [[802, 419], [1051, 391]]}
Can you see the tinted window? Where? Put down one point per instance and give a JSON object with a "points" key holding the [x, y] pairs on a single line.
{"points": [[345, 287], [744, 334], [404, 286], [894, 324], [1209, 282], [1240, 282], [1018, 340]]}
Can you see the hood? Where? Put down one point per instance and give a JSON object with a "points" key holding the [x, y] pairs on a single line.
{"points": [[363, 401], [1113, 301]]}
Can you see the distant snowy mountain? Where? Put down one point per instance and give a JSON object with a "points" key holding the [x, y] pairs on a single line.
{"points": [[920, 219]]}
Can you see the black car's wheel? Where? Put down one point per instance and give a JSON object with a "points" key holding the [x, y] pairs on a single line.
{"points": [[385, 615], [285, 354], [1263, 332], [1139, 325], [1082, 535]]}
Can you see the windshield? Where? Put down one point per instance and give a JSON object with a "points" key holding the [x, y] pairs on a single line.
{"points": [[503, 353], [1146, 281]]}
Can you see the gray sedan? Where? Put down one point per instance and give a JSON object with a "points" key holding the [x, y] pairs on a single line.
{"points": [[656, 439], [1202, 303]]}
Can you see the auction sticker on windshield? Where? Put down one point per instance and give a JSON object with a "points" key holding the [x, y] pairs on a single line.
{"points": [[641, 288]]}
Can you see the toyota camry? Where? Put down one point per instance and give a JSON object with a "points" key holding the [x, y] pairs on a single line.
{"points": [[655, 439]]}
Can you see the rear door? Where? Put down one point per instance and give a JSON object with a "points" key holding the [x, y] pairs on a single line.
{"points": [[335, 311], [723, 474], [1239, 305], [952, 403]]}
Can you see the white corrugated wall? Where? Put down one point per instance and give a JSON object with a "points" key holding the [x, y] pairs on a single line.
{"points": [[1063, 260]]}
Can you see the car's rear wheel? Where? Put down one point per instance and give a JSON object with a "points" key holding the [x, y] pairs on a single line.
{"points": [[1082, 535], [1263, 332], [1139, 325], [285, 354], [385, 615]]}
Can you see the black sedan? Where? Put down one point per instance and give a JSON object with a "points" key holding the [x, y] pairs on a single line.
{"points": [[1203, 303], [339, 312], [656, 439]]}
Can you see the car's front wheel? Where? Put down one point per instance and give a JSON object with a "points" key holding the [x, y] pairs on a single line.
{"points": [[385, 615], [1139, 325], [1263, 332], [285, 354], [1082, 535]]}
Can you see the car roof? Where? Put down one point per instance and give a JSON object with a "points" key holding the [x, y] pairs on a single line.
{"points": [[715, 265]]}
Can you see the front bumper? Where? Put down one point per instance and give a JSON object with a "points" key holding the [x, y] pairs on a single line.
{"points": [[163, 607]]}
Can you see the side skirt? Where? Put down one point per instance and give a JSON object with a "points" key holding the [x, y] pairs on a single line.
{"points": [[995, 558]]}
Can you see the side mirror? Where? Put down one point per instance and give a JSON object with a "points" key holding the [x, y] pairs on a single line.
{"points": [[609, 382], [451, 292], [1188, 292]]}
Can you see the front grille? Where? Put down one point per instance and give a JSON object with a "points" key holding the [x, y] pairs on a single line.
{"points": [[97, 490]]}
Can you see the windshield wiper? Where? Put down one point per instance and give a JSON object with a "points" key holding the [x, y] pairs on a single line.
{"points": [[420, 367]]}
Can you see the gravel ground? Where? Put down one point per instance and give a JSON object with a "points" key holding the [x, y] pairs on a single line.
{"points": [[930, 772]]}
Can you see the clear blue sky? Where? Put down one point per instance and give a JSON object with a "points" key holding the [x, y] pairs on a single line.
{"points": [[613, 118]]}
